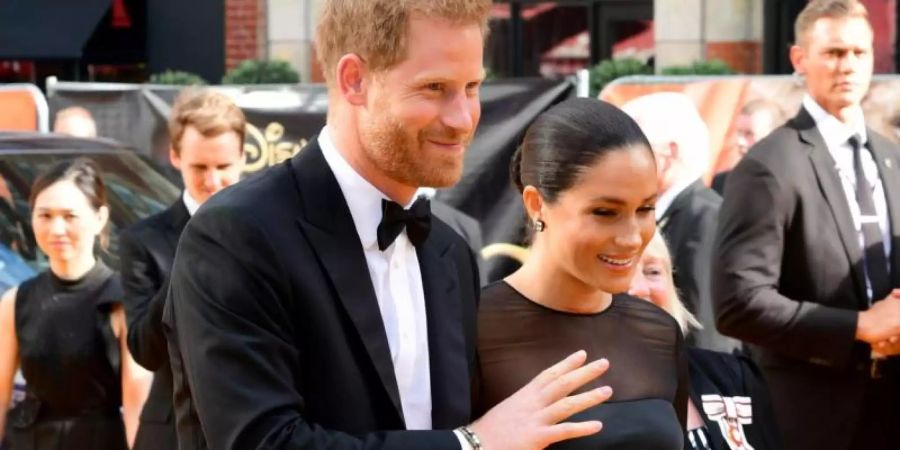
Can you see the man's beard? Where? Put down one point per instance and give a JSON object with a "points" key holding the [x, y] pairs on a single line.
{"points": [[404, 158]]}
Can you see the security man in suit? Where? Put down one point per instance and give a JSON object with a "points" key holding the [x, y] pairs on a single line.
{"points": [[808, 248]]}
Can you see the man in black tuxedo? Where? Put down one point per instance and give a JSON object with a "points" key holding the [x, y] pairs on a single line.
{"points": [[207, 133], [686, 211], [808, 248], [320, 304]]}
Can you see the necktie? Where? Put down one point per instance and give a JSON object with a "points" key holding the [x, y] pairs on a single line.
{"points": [[875, 259], [416, 220]]}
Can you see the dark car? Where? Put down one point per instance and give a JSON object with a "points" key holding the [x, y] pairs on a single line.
{"points": [[135, 189]]}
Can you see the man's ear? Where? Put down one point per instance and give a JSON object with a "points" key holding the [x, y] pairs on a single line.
{"points": [[351, 79], [674, 151], [798, 59], [174, 158]]}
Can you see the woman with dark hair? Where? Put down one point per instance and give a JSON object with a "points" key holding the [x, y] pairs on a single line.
{"points": [[66, 327], [588, 182]]}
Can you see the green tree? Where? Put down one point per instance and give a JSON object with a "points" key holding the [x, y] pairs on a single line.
{"points": [[712, 67], [178, 78], [262, 72], [610, 69]]}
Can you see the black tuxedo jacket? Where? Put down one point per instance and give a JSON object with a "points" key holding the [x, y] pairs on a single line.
{"points": [[789, 278], [275, 333], [689, 226], [147, 250]]}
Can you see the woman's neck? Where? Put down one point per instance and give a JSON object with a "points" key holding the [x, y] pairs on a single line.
{"points": [[548, 284], [72, 269]]}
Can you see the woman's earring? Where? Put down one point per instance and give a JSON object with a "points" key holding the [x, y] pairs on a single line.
{"points": [[539, 225]]}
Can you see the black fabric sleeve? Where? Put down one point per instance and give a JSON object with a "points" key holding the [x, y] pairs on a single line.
{"points": [[145, 297], [748, 261]]}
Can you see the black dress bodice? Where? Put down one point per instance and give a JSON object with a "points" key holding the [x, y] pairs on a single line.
{"points": [[70, 359], [518, 338]]}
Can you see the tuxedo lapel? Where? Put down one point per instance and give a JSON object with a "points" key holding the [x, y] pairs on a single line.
{"points": [[446, 343], [831, 187], [890, 178], [328, 226]]}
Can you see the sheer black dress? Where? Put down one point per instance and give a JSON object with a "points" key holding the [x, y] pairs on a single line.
{"points": [[70, 360], [518, 338]]}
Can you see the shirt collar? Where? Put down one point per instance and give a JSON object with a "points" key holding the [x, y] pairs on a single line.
{"points": [[363, 199], [835, 132], [189, 203], [664, 201]]}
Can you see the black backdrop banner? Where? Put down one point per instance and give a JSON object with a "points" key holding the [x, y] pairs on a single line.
{"points": [[282, 119]]}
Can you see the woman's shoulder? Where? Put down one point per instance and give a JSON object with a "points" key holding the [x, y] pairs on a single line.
{"points": [[499, 295], [495, 288], [643, 318], [43, 278], [111, 291]]}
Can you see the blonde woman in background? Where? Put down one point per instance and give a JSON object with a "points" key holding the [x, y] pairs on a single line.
{"points": [[728, 405]]}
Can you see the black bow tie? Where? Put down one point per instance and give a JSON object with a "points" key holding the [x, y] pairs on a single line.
{"points": [[416, 220]]}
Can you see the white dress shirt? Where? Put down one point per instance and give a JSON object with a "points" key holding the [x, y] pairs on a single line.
{"points": [[189, 203], [397, 280], [836, 134]]}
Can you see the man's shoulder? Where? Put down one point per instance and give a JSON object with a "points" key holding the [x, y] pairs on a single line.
{"points": [[258, 195], [780, 153], [707, 198], [883, 142], [776, 144], [149, 226]]}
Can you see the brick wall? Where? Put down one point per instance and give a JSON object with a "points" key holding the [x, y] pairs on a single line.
{"points": [[742, 57], [245, 31], [883, 16]]}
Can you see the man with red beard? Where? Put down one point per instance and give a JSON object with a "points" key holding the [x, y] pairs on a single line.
{"points": [[321, 305]]}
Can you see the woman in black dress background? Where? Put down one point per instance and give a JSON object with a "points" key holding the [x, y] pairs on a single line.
{"points": [[66, 327], [588, 182]]}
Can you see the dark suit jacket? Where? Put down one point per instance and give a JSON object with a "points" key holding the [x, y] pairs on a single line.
{"points": [[789, 278], [689, 226], [147, 250], [726, 375], [718, 182], [276, 336]]}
